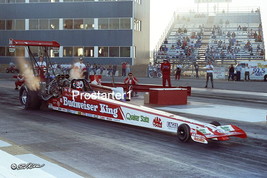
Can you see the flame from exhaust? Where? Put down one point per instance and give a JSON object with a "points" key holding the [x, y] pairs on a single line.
{"points": [[76, 73], [31, 81]]}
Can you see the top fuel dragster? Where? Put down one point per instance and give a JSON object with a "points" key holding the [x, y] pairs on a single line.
{"points": [[78, 96]]}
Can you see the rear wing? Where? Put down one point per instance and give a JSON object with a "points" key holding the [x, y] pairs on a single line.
{"points": [[45, 45], [13, 42]]}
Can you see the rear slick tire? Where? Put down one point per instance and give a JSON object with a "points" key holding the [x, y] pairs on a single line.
{"points": [[29, 99], [183, 133]]}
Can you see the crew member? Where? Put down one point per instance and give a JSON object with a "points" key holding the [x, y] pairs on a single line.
{"points": [[166, 72], [19, 82], [178, 72], [209, 67], [130, 82], [41, 68], [79, 69]]}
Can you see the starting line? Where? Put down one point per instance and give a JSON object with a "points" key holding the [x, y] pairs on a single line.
{"points": [[237, 113]]}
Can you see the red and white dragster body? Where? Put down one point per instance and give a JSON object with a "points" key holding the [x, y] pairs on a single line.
{"points": [[117, 111], [59, 95]]}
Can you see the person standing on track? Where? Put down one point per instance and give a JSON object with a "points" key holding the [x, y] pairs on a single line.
{"points": [[196, 69], [166, 72], [238, 72], [20, 81], [178, 72], [209, 67], [247, 73]]}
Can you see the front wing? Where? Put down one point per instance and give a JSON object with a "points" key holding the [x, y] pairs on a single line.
{"points": [[220, 133]]}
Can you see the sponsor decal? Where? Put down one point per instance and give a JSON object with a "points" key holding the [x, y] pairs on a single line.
{"points": [[157, 122], [137, 118], [199, 138], [79, 105], [258, 71], [202, 131], [101, 108], [107, 110], [172, 125], [226, 128]]}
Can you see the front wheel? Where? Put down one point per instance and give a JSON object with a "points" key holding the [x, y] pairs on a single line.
{"points": [[265, 78], [183, 133], [29, 99]]}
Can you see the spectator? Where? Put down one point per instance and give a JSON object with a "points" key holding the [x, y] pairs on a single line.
{"points": [[233, 35], [166, 72], [88, 69], [196, 69], [165, 41], [114, 69], [262, 52], [101, 68], [227, 23], [123, 69], [247, 72], [228, 34], [231, 72], [238, 72], [150, 68], [128, 68], [258, 47], [255, 35], [109, 69], [94, 68]]}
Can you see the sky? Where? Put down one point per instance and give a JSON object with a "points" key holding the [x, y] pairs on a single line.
{"points": [[162, 11]]}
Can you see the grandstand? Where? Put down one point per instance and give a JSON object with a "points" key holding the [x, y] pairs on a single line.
{"points": [[223, 38]]}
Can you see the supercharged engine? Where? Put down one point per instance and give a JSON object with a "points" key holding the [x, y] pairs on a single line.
{"points": [[54, 87]]}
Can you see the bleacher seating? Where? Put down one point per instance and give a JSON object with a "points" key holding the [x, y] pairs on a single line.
{"points": [[244, 25]]}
